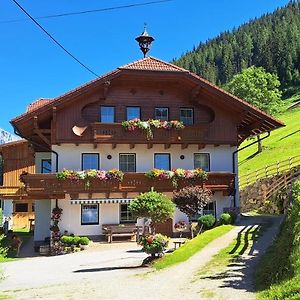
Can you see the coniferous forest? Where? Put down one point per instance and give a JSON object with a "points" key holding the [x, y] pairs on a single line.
{"points": [[271, 41]]}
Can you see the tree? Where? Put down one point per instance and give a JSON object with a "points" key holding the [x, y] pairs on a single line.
{"points": [[259, 88], [192, 199], [153, 205]]}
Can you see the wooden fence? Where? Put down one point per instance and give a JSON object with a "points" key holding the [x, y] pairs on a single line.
{"points": [[277, 168]]}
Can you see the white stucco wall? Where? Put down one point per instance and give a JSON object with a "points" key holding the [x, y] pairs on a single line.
{"points": [[71, 218], [69, 156], [42, 219]]}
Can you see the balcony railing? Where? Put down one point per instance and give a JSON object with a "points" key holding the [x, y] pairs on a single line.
{"points": [[48, 186], [115, 133]]}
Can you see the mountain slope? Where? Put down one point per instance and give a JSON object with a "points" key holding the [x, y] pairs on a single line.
{"points": [[282, 144], [271, 41], [6, 137]]}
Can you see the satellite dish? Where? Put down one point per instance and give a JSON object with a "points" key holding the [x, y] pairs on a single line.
{"points": [[79, 130]]}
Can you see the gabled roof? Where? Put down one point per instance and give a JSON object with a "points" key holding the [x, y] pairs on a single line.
{"points": [[253, 120], [152, 64]]}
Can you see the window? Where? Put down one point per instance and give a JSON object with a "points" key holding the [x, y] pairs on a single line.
{"points": [[187, 116], [208, 209], [89, 214], [202, 161], [90, 161], [162, 161], [125, 214], [46, 166], [161, 113], [107, 114], [21, 207], [133, 112], [127, 162]]}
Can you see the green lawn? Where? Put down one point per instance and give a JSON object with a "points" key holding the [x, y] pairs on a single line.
{"points": [[282, 144], [191, 247]]}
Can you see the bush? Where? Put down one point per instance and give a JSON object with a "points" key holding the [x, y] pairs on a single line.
{"points": [[207, 221], [67, 240], [76, 240], [156, 206], [225, 219], [84, 240], [154, 244]]}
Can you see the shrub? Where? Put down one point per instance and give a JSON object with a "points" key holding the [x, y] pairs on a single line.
{"points": [[225, 219], [154, 244], [67, 240], [76, 240], [207, 221], [84, 240], [156, 206]]}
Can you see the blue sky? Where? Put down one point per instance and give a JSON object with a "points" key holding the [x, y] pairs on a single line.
{"points": [[32, 66]]}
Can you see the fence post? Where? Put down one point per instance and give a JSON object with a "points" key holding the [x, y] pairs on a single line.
{"points": [[278, 163], [266, 170]]}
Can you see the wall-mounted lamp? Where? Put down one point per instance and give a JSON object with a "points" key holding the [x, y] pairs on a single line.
{"points": [[109, 156], [181, 156]]}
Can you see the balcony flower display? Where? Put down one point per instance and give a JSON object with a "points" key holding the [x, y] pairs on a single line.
{"points": [[87, 175], [134, 124], [177, 174]]}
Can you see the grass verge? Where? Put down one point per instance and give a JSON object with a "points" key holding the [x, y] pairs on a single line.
{"points": [[25, 235], [277, 275], [191, 247]]}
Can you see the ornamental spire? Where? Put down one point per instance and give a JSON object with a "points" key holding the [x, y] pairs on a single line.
{"points": [[145, 41]]}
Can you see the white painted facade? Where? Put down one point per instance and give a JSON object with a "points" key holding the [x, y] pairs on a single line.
{"points": [[70, 156]]}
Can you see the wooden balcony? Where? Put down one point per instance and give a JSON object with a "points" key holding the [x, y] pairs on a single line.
{"points": [[47, 186], [116, 134]]}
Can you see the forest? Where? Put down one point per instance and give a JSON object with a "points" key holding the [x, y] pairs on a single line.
{"points": [[271, 41]]}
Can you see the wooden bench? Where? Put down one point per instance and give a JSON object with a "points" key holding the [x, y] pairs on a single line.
{"points": [[111, 230]]}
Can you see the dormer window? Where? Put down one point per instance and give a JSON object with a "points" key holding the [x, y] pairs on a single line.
{"points": [[133, 112], [161, 113], [107, 114], [187, 116]]}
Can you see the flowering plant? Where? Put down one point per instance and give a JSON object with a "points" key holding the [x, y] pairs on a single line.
{"points": [[181, 226], [55, 232], [154, 244], [134, 124], [90, 174], [177, 174]]}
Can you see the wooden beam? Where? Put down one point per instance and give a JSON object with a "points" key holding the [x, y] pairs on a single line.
{"points": [[38, 131], [114, 146], [95, 145], [53, 125], [201, 146], [184, 146], [131, 146], [167, 146], [216, 145], [149, 145]]}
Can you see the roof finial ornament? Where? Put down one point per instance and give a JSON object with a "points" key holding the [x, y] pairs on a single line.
{"points": [[145, 40]]}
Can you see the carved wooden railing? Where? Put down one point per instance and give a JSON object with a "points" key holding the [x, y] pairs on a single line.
{"points": [[115, 133], [48, 186]]}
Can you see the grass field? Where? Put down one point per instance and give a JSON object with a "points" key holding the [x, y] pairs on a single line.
{"points": [[191, 247], [282, 144]]}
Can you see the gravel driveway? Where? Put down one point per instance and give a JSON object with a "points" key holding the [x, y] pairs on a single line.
{"points": [[113, 272]]}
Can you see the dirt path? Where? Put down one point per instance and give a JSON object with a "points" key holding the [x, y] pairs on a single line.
{"points": [[114, 273]]}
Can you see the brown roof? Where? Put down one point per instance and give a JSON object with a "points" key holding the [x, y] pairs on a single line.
{"points": [[152, 64], [251, 115], [37, 104]]}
